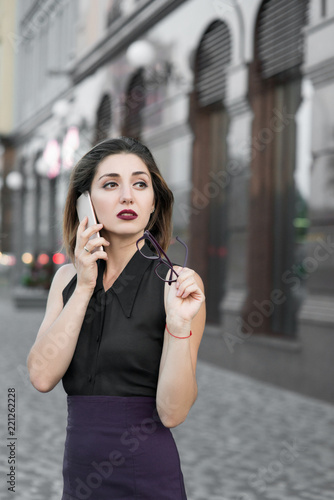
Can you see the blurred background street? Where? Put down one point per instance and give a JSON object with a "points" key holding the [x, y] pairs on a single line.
{"points": [[235, 99], [242, 440]]}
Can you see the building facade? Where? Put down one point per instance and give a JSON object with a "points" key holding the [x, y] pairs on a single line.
{"points": [[8, 17], [234, 99]]}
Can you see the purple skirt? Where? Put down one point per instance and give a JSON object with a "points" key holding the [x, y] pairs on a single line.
{"points": [[117, 448]]}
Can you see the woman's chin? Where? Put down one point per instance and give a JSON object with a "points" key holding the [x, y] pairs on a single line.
{"points": [[126, 231]]}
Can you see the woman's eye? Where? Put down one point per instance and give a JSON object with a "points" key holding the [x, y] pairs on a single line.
{"points": [[112, 184]]}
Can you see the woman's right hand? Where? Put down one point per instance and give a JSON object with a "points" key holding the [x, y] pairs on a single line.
{"points": [[85, 262]]}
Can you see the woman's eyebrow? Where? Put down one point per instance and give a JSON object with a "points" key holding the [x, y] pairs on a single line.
{"points": [[118, 175]]}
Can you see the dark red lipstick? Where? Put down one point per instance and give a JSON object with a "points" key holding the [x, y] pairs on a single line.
{"points": [[127, 214]]}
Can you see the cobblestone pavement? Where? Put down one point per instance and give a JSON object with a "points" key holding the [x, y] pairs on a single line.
{"points": [[242, 440]]}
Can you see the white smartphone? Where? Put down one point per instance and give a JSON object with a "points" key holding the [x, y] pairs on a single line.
{"points": [[85, 208]]}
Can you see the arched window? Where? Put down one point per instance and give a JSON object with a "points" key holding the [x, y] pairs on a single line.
{"points": [[279, 38], [134, 104], [212, 59], [103, 119], [275, 96], [209, 121]]}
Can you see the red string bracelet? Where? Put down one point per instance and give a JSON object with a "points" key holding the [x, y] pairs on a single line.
{"points": [[178, 337]]}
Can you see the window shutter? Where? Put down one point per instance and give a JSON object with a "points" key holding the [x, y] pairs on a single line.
{"points": [[213, 56], [103, 122], [134, 105], [280, 40]]}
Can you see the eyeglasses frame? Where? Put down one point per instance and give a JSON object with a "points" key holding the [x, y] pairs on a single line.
{"points": [[160, 251]]}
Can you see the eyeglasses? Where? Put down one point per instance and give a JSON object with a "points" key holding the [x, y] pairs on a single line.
{"points": [[161, 256]]}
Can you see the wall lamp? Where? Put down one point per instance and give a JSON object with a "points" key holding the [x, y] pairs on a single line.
{"points": [[14, 180], [157, 70]]}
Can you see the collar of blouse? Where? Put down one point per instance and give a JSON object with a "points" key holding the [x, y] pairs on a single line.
{"points": [[127, 283]]}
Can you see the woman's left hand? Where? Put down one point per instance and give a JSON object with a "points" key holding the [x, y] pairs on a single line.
{"points": [[185, 296]]}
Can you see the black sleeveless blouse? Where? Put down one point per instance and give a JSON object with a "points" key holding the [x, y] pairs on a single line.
{"points": [[120, 343]]}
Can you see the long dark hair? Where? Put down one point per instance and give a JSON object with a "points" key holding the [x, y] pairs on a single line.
{"points": [[160, 223]]}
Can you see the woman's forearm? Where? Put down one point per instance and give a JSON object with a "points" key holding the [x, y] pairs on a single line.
{"points": [[177, 387], [52, 352]]}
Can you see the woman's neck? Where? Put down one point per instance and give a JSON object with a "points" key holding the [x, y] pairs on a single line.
{"points": [[120, 251]]}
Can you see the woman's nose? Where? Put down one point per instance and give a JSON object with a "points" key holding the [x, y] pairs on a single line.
{"points": [[126, 194]]}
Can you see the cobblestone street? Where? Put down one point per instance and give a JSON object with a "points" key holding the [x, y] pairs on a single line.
{"points": [[243, 440]]}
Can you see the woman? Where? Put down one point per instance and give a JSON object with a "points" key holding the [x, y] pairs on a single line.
{"points": [[123, 342]]}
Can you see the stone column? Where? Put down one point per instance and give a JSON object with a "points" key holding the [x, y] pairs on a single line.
{"points": [[237, 179], [319, 69]]}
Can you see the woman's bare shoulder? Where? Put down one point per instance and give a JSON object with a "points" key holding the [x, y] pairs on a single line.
{"points": [[67, 271], [61, 278], [54, 303], [64, 275]]}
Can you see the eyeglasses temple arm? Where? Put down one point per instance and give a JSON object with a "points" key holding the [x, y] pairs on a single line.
{"points": [[171, 276], [159, 247], [185, 246]]}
